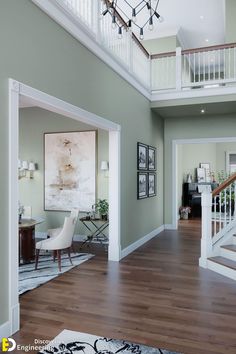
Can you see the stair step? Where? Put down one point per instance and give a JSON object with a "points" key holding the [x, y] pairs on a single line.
{"points": [[224, 262], [229, 247]]}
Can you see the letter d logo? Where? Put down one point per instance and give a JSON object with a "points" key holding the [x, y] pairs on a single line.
{"points": [[6, 344]]}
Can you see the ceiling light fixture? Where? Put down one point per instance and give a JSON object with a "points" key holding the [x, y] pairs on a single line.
{"points": [[126, 19], [203, 111]]}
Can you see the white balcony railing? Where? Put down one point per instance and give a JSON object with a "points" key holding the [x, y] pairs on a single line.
{"points": [[173, 71], [194, 68], [128, 51]]}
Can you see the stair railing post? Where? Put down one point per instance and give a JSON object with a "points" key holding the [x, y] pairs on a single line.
{"points": [[178, 70], [206, 240]]}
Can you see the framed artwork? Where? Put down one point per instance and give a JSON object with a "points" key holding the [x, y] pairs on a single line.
{"points": [[70, 170], [142, 183], [207, 169], [151, 158], [152, 184], [142, 156], [201, 175]]}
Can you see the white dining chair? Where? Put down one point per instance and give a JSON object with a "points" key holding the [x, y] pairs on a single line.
{"points": [[62, 241]]}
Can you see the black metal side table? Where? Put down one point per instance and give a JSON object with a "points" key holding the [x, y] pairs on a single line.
{"points": [[96, 228]]}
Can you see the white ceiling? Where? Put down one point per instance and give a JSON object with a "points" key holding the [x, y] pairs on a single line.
{"points": [[198, 23]]}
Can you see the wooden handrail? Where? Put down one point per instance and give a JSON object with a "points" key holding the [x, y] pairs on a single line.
{"points": [[223, 185], [163, 55], [209, 48], [194, 50]]}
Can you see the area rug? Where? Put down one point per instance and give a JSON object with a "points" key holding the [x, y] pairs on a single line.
{"points": [[69, 342], [29, 278]]}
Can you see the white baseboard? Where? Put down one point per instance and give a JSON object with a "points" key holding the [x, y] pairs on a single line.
{"points": [[5, 330], [15, 318], [169, 227], [126, 251]]}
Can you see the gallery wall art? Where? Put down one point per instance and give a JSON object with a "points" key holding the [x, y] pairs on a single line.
{"points": [[70, 170], [146, 161]]}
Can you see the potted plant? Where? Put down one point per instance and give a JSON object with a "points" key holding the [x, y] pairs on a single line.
{"points": [[102, 207], [184, 211]]}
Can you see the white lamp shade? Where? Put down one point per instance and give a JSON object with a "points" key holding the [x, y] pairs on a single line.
{"points": [[25, 165], [32, 166], [104, 166]]}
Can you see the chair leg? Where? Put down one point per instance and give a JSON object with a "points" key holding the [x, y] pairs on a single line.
{"points": [[36, 259], [59, 259], [54, 255], [68, 250]]}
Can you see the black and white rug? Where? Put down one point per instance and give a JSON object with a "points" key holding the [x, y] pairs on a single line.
{"points": [[29, 278], [70, 342]]}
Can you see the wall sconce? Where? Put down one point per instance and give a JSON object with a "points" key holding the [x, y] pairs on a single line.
{"points": [[26, 169], [105, 167]]}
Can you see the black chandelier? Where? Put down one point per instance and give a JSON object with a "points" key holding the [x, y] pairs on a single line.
{"points": [[120, 19]]}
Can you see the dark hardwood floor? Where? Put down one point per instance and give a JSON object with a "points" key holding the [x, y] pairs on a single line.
{"points": [[156, 296]]}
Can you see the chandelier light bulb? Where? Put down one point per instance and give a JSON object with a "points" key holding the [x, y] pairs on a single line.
{"points": [[129, 24], [150, 26], [113, 24], [120, 33], [161, 19], [141, 34], [134, 18]]}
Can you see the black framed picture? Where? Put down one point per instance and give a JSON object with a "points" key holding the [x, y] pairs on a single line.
{"points": [[142, 156], [151, 158], [152, 184], [142, 183]]}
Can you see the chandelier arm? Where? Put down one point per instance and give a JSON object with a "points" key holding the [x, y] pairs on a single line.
{"points": [[128, 4]]}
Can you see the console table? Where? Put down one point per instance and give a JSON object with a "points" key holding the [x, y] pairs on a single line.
{"points": [[96, 228], [27, 239]]}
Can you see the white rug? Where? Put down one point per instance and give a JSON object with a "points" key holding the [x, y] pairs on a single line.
{"points": [[29, 278], [70, 342]]}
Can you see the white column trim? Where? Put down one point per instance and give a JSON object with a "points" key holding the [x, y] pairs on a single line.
{"points": [[45, 101]]}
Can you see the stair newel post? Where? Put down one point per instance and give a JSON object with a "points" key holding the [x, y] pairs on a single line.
{"points": [[206, 240]]}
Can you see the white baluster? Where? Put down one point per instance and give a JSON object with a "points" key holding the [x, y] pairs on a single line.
{"points": [[225, 212], [224, 71], [214, 213], [220, 213], [230, 195]]}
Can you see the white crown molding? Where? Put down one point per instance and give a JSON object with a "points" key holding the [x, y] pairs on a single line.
{"points": [[78, 31]]}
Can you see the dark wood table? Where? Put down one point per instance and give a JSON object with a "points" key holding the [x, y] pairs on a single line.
{"points": [[27, 240], [96, 228]]}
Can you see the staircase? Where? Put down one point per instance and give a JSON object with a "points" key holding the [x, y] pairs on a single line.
{"points": [[218, 243]]}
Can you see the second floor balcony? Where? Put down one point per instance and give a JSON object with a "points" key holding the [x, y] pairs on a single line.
{"points": [[177, 71]]}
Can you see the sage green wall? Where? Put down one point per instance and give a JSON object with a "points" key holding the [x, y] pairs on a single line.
{"points": [[33, 123], [221, 150], [230, 23], [38, 52], [190, 156], [191, 128], [161, 45]]}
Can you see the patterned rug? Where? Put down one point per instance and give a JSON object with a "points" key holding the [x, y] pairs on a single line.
{"points": [[29, 278], [69, 342]]}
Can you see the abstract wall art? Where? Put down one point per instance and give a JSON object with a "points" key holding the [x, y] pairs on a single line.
{"points": [[70, 170]]}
